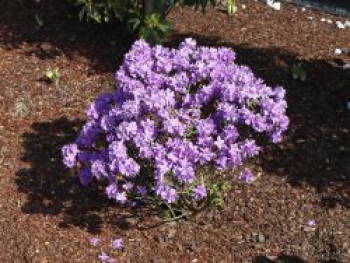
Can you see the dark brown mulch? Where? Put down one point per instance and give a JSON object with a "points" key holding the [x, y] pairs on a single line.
{"points": [[46, 216]]}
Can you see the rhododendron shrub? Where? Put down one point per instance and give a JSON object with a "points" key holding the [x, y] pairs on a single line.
{"points": [[173, 112]]}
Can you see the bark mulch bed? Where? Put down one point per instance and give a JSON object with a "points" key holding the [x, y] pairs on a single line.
{"points": [[46, 216]]}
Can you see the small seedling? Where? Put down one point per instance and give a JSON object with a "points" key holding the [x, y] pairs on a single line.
{"points": [[39, 21], [298, 72], [231, 7], [53, 75]]}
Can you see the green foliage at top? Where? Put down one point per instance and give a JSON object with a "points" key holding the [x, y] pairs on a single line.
{"points": [[147, 17], [106, 10]]}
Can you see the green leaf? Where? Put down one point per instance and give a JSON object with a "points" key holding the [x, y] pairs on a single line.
{"points": [[39, 20], [53, 75], [144, 32], [82, 14], [134, 23], [49, 74], [164, 26], [303, 75], [298, 72]]}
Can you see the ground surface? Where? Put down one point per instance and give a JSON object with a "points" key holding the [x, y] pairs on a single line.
{"points": [[46, 216]]}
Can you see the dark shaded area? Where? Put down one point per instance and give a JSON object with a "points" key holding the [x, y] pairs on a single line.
{"points": [[62, 32], [331, 3], [316, 148], [52, 189], [280, 259], [283, 258], [335, 3]]}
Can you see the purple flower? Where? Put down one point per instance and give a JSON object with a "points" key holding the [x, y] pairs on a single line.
{"points": [[249, 148], [276, 137], [310, 222], [121, 197], [95, 241], [128, 186], [117, 150], [104, 257], [99, 105], [220, 143], [235, 155], [85, 176], [200, 192], [167, 193], [70, 153], [117, 243], [222, 162], [175, 110], [111, 190], [142, 190], [246, 176], [88, 135], [129, 167], [98, 169]]}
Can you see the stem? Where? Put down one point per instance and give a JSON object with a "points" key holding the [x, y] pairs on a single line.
{"points": [[170, 209], [176, 217]]}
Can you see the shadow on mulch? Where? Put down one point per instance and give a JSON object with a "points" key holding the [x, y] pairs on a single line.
{"points": [[316, 148], [288, 259], [52, 189], [281, 259], [62, 33]]}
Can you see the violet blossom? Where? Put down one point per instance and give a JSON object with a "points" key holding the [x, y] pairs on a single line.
{"points": [[173, 111], [117, 243], [95, 241]]}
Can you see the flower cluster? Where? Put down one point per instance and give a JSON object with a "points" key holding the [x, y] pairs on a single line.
{"points": [[115, 244], [174, 110]]}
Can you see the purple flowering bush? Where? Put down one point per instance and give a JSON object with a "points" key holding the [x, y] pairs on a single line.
{"points": [[174, 112]]}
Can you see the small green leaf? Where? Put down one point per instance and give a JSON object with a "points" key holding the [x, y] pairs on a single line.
{"points": [[144, 32], [49, 74], [82, 14], [298, 72], [39, 20], [53, 75], [134, 23], [164, 26]]}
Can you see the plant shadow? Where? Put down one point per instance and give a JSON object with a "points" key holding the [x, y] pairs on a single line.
{"points": [[280, 259], [52, 190], [283, 258]]}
